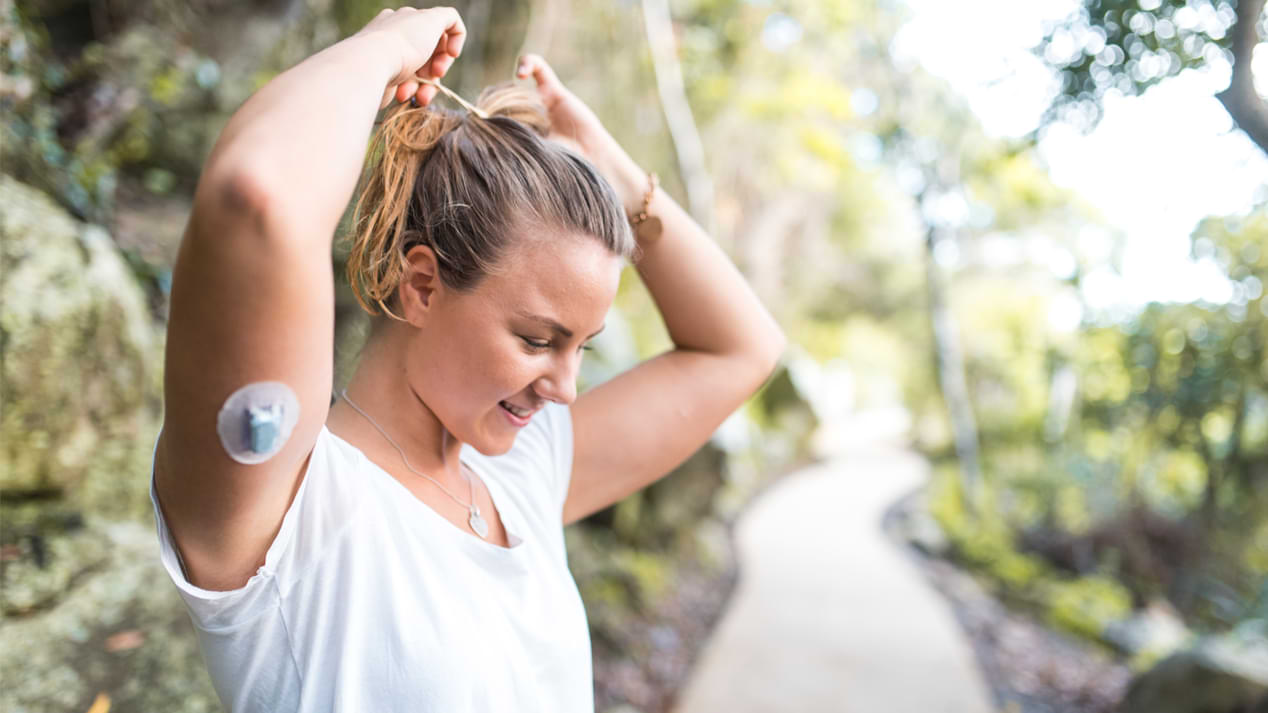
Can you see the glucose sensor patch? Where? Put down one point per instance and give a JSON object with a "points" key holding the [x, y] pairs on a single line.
{"points": [[257, 420]]}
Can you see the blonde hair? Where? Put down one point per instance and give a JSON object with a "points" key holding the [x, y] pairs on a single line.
{"points": [[465, 186]]}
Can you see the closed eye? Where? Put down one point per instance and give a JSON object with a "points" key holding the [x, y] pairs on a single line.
{"points": [[545, 345]]}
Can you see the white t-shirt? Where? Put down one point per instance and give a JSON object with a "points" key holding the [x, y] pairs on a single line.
{"points": [[370, 601]]}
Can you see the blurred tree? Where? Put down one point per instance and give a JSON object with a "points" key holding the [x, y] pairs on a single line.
{"points": [[1174, 417], [1127, 46]]}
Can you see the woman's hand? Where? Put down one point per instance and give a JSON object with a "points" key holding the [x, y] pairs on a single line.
{"points": [[576, 126], [419, 43]]}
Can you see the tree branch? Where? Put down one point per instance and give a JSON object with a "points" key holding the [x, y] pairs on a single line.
{"points": [[1248, 109], [673, 100], [543, 16]]}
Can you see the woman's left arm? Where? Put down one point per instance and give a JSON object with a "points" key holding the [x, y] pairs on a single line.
{"points": [[636, 427]]}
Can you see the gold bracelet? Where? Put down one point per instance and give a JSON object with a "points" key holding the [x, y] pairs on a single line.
{"points": [[647, 228]]}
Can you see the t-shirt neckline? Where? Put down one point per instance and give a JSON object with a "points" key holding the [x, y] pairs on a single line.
{"points": [[509, 522]]}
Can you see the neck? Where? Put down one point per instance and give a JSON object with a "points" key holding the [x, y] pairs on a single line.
{"points": [[381, 389]]}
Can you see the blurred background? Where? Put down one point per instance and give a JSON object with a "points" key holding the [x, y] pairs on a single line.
{"points": [[1016, 458]]}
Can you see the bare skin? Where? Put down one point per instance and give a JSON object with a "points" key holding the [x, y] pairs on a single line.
{"points": [[265, 199], [433, 400]]}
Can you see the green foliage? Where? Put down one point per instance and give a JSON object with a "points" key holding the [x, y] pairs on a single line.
{"points": [[1087, 605], [1082, 605], [984, 541], [1127, 46], [127, 102], [1015, 188], [1170, 412], [1007, 344]]}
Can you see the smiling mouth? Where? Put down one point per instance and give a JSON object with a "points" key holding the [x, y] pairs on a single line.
{"points": [[518, 412]]}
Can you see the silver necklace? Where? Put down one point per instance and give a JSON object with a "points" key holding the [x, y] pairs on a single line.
{"points": [[477, 523]]}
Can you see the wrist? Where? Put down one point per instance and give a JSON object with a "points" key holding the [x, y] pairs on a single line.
{"points": [[375, 54], [628, 179]]}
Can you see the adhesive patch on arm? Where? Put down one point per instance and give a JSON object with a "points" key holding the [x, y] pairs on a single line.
{"points": [[257, 420]]}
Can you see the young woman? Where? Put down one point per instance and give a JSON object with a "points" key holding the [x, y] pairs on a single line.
{"points": [[402, 550]]}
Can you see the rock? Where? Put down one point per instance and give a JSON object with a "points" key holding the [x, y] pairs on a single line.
{"points": [[50, 551], [790, 419], [1150, 634], [923, 532], [82, 362], [142, 89], [1219, 674], [61, 658]]}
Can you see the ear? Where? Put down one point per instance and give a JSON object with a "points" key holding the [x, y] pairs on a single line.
{"points": [[420, 285]]}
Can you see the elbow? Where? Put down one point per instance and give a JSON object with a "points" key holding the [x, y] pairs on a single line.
{"points": [[767, 356], [777, 342], [233, 201], [778, 348], [241, 193], [236, 182]]}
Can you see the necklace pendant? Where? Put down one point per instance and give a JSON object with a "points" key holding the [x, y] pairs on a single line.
{"points": [[478, 524]]}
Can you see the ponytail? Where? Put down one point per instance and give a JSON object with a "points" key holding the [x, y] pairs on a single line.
{"points": [[462, 185]]}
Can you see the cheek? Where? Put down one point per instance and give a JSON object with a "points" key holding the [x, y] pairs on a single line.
{"points": [[493, 368]]}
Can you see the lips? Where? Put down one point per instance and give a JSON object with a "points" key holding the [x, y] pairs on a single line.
{"points": [[517, 410]]}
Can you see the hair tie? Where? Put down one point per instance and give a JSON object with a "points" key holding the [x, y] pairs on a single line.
{"points": [[454, 95]]}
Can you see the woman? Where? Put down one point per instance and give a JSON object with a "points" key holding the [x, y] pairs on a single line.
{"points": [[402, 550]]}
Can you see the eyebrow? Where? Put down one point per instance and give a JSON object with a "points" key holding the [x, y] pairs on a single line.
{"points": [[556, 326]]}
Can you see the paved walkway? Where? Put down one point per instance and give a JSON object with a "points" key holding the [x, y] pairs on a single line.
{"points": [[828, 614]]}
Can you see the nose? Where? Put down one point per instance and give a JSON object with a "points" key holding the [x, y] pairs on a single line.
{"points": [[559, 384]]}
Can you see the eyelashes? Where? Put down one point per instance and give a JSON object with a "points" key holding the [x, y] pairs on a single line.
{"points": [[535, 345]]}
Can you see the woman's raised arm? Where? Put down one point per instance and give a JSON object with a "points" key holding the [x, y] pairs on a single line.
{"points": [[252, 288], [295, 148], [636, 427]]}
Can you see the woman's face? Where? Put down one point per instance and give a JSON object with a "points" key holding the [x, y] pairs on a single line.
{"points": [[496, 345]]}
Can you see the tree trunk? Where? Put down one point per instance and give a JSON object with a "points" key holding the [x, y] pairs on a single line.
{"points": [[673, 100], [951, 378], [1248, 109]]}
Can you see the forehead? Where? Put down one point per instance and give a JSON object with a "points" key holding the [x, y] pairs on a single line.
{"points": [[572, 279]]}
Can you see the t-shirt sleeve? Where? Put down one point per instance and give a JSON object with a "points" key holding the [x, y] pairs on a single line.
{"points": [[561, 446], [543, 452], [213, 609]]}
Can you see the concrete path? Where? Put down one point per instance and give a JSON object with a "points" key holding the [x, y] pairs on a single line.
{"points": [[828, 615]]}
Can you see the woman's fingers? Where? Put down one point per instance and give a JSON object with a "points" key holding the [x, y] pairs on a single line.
{"points": [[454, 34], [455, 39], [421, 93], [426, 94], [432, 39], [405, 90], [440, 65], [572, 122], [533, 65]]}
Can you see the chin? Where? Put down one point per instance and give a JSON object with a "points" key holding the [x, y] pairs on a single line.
{"points": [[494, 446]]}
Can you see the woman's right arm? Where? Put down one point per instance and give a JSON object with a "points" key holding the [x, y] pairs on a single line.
{"points": [[295, 148], [252, 288]]}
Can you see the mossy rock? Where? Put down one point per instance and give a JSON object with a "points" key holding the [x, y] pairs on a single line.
{"points": [[120, 633], [82, 362], [1218, 674]]}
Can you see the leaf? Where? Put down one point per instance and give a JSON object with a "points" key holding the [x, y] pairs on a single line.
{"points": [[101, 704], [125, 640]]}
